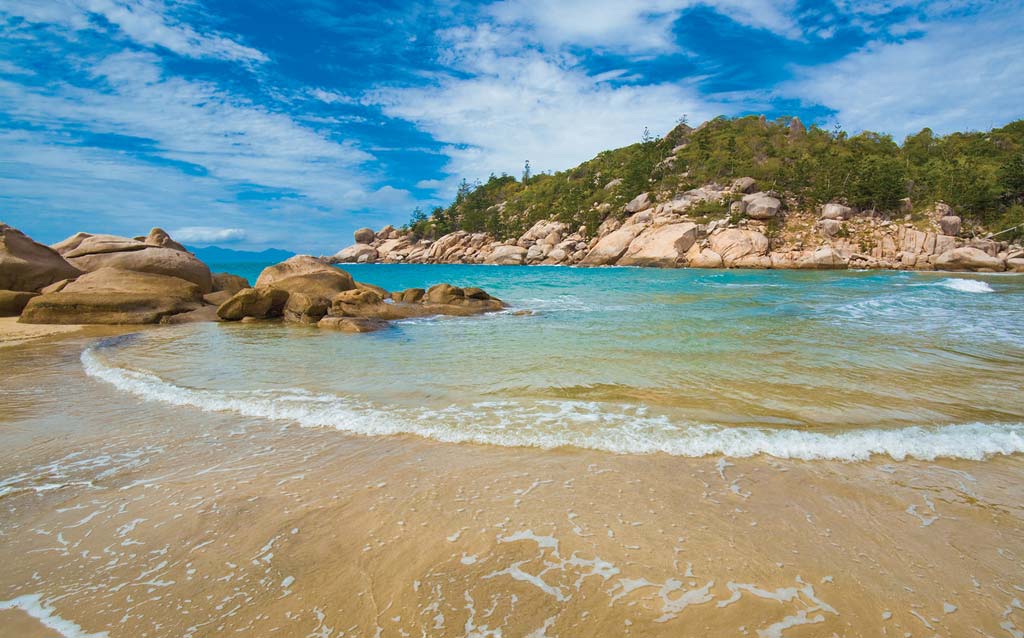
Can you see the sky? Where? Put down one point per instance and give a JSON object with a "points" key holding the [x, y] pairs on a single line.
{"points": [[251, 124]]}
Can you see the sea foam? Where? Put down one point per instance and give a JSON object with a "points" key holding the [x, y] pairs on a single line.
{"points": [[588, 425], [33, 605], [965, 285]]}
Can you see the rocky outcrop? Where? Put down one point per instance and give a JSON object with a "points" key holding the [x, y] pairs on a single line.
{"points": [[28, 266], [226, 282], [356, 254], [115, 296], [507, 256], [661, 246], [824, 258], [971, 259], [612, 246], [88, 252], [257, 303], [950, 225], [158, 237], [836, 211], [740, 248], [762, 206], [364, 236]]}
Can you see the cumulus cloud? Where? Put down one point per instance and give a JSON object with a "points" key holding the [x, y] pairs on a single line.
{"points": [[508, 104], [957, 75], [209, 235]]}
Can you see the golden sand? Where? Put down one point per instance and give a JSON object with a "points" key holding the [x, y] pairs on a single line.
{"points": [[14, 333], [163, 521]]}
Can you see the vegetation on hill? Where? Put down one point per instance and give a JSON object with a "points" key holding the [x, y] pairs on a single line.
{"points": [[980, 174]]}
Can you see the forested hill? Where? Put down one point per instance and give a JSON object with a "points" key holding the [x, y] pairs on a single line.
{"points": [[980, 174]]}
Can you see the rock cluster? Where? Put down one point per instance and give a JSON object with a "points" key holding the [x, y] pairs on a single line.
{"points": [[107, 279], [663, 231], [308, 290]]}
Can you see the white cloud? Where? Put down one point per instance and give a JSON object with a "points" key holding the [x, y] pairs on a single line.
{"points": [[198, 123], [526, 104], [636, 26], [149, 23], [208, 235], [959, 75]]}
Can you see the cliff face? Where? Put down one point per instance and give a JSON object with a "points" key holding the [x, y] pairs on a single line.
{"points": [[761, 229]]}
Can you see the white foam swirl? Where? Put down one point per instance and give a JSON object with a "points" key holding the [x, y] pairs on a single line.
{"points": [[965, 285], [553, 424]]}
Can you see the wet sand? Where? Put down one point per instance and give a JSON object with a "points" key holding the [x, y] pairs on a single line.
{"points": [[14, 333], [140, 519]]}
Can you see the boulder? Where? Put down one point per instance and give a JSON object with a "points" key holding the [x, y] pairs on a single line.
{"points": [[26, 265], [824, 258], [219, 297], [364, 236], [950, 225], [703, 258], [88, 253], [352, 324], [385, 233], [1015, 264], [258, 303], [612, 246], [203, 314], [830, 227], [308, 275], [82, 244], [661, 247], [304, 308], [115, 296], [836, 211], [444, 294], [12, 302], [639, 203], [410, 295], [159, 237], [744, 185], [507, 256], [736, 246], [968, 258], [763, 207], [226, 282], [356, 253]]}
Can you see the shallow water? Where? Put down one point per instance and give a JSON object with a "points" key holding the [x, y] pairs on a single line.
{"points": [[651, 453]]}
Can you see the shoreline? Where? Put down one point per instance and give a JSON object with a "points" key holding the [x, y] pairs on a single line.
{"points": [[13, 333]]}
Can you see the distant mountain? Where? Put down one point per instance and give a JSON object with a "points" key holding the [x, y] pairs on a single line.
{"points": [[216, 254]]}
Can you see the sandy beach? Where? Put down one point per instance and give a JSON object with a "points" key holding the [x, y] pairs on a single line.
{"points": [[14, 333]]}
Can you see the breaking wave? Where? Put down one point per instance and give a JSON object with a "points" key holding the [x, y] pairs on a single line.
{"points": [[965, 285], [553, 424]]}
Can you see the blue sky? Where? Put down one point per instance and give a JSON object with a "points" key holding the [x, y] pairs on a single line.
{"points": [[254, 124]]}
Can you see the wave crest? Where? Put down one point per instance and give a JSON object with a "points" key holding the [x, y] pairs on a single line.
{"points": [[580, 424]]}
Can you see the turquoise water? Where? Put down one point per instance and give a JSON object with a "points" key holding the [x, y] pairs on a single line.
{"points": [[689, 362]]}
